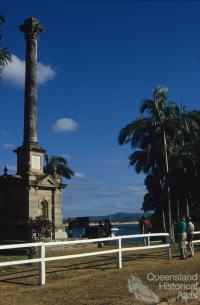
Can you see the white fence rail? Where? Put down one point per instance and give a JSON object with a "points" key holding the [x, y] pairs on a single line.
{"points": [[119, 250], [196, 240]]}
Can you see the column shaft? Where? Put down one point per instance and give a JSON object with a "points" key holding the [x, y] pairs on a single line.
{"points": [[30, 99]]}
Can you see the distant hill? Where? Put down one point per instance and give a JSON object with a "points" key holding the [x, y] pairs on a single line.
{"points": [[118, 217], [121, 217]]}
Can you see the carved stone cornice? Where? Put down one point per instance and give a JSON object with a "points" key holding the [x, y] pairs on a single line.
{"points": [[31, 28]]}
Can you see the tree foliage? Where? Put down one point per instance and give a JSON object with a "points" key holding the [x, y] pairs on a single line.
{"points": [[5, 55], [166, 147], [56, 165], [39, 228]]}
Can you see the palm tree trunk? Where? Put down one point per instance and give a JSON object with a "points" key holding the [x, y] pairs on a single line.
{"points": [[168, 187], [178, 209], [187, 197], [163, 212], [163, 219], [187, 208], [167, 171]]}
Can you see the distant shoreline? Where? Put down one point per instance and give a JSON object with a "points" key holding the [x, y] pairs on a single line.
{"points": [[118, 223], [134, 222]]}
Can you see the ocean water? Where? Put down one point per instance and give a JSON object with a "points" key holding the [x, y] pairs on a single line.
{"points": [[124, 229], [127, 229]]}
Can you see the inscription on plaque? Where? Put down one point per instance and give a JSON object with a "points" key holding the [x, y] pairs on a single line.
{"points": [[35, 162]]}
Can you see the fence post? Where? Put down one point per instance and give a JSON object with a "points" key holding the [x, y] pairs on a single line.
{"points": [[42, 264], [148, 240], [120, 252], [168, 240]]}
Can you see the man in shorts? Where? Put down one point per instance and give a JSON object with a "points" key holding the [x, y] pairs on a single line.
{"points": [[182, 228], [190, 233]]}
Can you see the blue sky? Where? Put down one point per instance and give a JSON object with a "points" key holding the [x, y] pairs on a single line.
{"points": [[98, 59]]}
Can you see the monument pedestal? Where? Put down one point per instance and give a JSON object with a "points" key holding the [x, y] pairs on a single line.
{"points": [[61, 234]]}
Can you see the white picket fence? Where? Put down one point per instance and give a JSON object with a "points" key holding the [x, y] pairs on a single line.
{"points": [[42, 259]]}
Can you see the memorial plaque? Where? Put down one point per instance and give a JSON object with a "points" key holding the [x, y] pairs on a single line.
{"points": [[35, 162]]}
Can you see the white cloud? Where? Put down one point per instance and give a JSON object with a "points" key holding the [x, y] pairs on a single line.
{"points": [[8, 145], [14, 72], [79, 175], [138, 189], [65, 125], [45, 73]]}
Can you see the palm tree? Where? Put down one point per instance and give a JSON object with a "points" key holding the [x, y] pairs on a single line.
{"points": [[57, 166], [5, 55], [154, 137], [185, 164]]}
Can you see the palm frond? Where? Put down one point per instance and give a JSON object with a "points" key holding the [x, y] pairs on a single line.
{"points": [[59, 165], [5, 58], [147, 105], [127, 133], [2, 19]]}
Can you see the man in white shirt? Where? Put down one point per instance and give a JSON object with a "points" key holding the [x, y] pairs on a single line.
{"points": [[190, 233]]}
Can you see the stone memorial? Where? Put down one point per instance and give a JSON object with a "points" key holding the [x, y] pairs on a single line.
{"points": [[30, 192]]}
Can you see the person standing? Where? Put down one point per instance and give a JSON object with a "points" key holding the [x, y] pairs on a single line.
{"points": [[182, 229], [190, 233], [101, 233], [107, 227], [146, 228]]}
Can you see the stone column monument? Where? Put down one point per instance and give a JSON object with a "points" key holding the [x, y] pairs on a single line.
{"points": [[31, 28], [30, 192], [30, 155]]}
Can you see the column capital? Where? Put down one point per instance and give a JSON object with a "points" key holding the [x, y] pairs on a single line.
{"points": [[31, 28]]}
